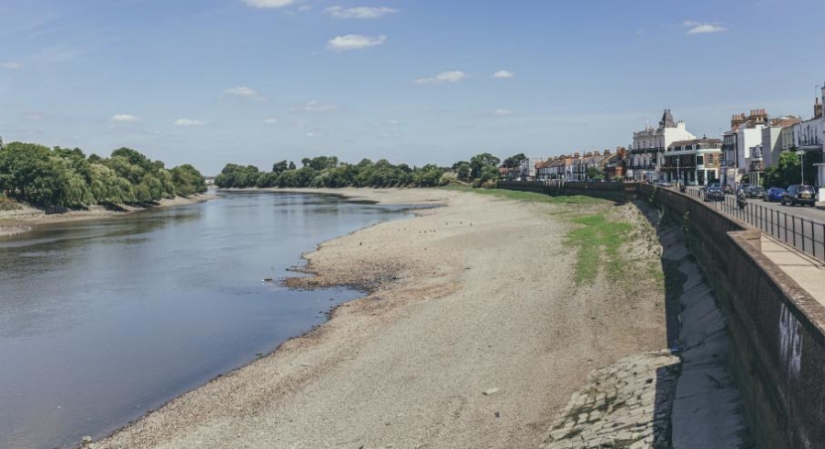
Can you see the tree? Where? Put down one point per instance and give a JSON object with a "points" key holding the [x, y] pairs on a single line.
{"points": [[481, 161], [320, 163], [463, 171], [788, 170], [23, 167], [237, 176], [513, 161], [280, 167], [593, 173]]}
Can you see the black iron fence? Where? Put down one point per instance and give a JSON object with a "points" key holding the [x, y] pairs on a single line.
{"points": [[804, 234]]}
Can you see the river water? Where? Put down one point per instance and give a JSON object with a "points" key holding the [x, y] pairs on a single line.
{"points": [[102, 321]]}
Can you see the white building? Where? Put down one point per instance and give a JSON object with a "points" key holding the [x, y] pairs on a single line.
{"points": [[527, 167], [693, 162], [742, 146], [776, 138], [646, 153], [809, 136]]}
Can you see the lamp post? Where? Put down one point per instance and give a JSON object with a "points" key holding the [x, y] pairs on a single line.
{"points": [[801, 154]]}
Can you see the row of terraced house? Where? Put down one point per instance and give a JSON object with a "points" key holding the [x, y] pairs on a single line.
{"points": [[670, 153]]}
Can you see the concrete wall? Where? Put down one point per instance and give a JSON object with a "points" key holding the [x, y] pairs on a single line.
{"points": [[608, 190], [777, 329]]}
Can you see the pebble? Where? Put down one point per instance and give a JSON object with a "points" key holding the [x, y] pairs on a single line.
{"points": [[491, 391]]}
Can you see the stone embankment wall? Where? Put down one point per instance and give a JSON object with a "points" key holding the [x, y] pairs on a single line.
{"points": [[777, 329]]}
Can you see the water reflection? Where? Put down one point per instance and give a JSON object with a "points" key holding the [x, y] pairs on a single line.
{"points": [[101, 321]]}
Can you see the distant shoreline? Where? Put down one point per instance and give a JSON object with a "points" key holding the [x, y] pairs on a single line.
{"points": [[21, 221]]}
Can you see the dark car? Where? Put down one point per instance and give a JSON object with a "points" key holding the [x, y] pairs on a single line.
{"points": [[774, 194], [755, 191], [714, 193], [799, 194], [727, 189]]}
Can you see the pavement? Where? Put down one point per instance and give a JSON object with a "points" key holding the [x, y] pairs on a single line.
{"points": [[805, 270]]}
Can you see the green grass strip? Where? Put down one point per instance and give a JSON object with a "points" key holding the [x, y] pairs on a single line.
{"points": [[598, 241]]}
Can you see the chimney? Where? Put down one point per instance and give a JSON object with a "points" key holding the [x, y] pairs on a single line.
{"points": [[607, 152], [736, 120], [818, 108], [576, 155]]}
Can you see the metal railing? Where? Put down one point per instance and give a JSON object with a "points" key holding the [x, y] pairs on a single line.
{"points": [[804, 234]]}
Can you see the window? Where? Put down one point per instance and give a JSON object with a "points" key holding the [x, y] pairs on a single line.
{"points": [[700, 160]]}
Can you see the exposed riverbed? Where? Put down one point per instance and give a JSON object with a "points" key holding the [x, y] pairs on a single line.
{"points": [[101, 321]]}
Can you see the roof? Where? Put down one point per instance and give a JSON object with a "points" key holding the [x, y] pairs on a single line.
{"points": [[667, 120], [704, 142], [784, 122]]}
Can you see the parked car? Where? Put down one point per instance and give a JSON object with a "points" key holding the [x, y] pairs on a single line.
{"points": [[714, 193], [755, 191], [799, 194], [774, 194], [727, 189]]}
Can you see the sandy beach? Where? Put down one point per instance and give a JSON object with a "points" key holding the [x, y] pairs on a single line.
{"points": [[19, 221], [473, 335]]}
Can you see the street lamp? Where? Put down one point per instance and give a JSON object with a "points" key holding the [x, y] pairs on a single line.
{"points": [[801, 154]]}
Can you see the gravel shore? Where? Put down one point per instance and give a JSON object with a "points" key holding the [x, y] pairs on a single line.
{"points": [[22, 220], [473, 336]]}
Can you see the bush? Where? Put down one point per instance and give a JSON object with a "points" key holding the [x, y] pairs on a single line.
{"points": [[7, 203]]}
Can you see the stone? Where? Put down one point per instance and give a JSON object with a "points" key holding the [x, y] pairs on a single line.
{"points": [[491, 391]]}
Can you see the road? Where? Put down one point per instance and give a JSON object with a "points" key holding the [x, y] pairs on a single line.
{"points": [[800, 227]]}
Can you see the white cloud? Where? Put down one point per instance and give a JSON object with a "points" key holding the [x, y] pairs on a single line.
{"points": [[12, 65], [34, 116], [315, 106], [125, 118], [243, 91], [443, 77], [305, 8], [269, 4], [311, 134], [702, 27], [189, 122], [393, 122], [707, 28], [271, 121], [362, 12], [354, 42], [504, 74], [503, 112]]}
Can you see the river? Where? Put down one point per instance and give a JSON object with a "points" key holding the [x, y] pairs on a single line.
{"points": [[103, 321]]}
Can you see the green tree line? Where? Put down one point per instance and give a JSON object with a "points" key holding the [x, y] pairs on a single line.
{"points": [[328, 171], [60, 177]]}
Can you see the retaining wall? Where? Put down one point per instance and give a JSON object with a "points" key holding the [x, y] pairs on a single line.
{"points": [[778, 350]]}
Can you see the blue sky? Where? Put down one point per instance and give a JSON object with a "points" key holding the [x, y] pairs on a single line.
{"points": [[255, 81]]}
